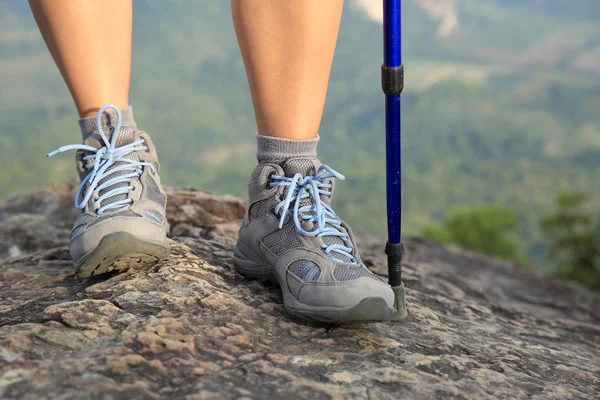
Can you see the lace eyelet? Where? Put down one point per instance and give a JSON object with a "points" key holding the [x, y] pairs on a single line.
{"points": [[145, 144], [274, 213], [269, 181]]}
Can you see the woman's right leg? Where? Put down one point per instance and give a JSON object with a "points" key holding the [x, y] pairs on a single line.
{"points": [[90, 42], [123, 218]]}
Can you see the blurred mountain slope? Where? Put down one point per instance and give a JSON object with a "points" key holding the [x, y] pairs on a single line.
{"points": [[501, 105]]}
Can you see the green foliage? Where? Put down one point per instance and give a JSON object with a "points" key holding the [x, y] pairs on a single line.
{"points": [[574, 232], [486, 228]]}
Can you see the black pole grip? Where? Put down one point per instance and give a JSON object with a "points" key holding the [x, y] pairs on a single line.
{"points": [[394, 255]]}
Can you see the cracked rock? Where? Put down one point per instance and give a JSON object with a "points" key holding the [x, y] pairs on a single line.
{"points": [[189, 328]]}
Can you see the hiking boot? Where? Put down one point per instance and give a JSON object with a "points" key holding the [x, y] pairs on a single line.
{"points": [[122, 203], [291, 235]]}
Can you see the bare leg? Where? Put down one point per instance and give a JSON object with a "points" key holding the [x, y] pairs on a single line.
{"points": [[287, 47], [90, 42]]}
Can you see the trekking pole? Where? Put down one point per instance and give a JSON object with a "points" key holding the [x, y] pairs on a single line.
{"points": [[392, 83]]}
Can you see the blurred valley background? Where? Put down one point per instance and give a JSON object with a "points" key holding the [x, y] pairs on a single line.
{"points": [[501, 112]]}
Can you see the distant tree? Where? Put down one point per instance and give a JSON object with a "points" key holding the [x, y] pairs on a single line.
{"points": [[486, 228], [574, 232]]}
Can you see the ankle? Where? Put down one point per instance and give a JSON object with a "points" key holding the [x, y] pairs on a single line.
{"points": [[275, 150]]}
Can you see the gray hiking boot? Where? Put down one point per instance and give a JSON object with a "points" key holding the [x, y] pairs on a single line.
{"points": [[122, 203], [291, 234]]}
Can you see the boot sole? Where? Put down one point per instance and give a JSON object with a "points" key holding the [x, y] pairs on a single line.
{"points": [[119, 251], [369, 309]]}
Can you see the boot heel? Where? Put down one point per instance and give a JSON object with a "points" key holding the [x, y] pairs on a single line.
{"points": [[250, 266]]}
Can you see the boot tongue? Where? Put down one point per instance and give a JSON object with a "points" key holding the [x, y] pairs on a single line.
{"points": [[305, 166], [308, 167], [108, 122], [125, 136], [302, 165]]}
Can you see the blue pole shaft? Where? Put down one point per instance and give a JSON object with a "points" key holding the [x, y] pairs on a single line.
{"points": [[392, 27], [394, 197]]}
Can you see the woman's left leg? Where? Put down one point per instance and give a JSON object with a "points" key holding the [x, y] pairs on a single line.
{"points": [[287, 47], [290, 232]]}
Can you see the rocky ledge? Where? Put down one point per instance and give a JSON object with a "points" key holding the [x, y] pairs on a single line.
{"points": [[190, 328]]}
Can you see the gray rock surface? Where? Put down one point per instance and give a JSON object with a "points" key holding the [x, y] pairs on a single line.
{"points": [[190, 328]]}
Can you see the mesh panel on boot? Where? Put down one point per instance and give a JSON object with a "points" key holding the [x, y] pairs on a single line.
{"points": [[283, 239], [329, 240], [255, 177], [305, 270], [259, 209], [153, 191], [352, 273]]}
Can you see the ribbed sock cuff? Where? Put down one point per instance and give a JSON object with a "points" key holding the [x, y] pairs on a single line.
{"points": [[109, 119], [275, 150]]}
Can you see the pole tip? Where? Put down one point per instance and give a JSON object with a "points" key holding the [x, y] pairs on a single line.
{"points": [[399, 303]]}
